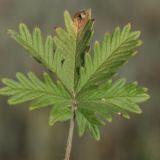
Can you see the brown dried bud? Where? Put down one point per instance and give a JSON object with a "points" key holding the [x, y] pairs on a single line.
{"points": [[80, 19]]}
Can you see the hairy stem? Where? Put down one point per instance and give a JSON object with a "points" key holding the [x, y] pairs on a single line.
{"points": [[71, 131]]}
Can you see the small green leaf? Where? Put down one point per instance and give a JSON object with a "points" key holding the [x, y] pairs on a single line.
{"points": [[87, 120], [81, 122], [59, 113], [94, 130]]}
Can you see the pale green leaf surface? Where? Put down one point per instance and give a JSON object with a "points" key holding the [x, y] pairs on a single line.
{"points": [[70, 48], [87, 120], [60, 113], [42, 51], [108, 56], [30, 88], [117, 97]]}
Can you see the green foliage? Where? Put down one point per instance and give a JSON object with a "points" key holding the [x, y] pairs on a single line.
{"points": [[72, 45], [87, 119], [33, 43], [108, 56], [30, 88], [117, 98], [60, 113], [82, 77]]}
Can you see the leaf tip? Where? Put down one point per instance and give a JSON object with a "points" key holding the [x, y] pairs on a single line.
{"points": [[21, 25], [140, 42], [148, 97], [10, 102], [51, 122], [66, 12], [31, 108], [139, 111], [128, 25]]}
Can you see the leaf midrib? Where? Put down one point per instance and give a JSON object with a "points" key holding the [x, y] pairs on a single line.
{"points": [[99, 99], [39, 90]]}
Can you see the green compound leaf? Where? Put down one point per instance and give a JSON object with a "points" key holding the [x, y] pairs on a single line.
{"points": [[108, 56], [114, 98], [71, 46], [30, 88], [103, 102], [34, 43]]}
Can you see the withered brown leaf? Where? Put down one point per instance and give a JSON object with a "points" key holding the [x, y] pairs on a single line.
{"points": [[80, 19]]}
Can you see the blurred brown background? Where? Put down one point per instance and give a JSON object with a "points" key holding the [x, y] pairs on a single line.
{"points": [[26, 135]]}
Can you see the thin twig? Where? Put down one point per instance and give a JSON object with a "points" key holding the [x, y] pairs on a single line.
{"points": [[71, 131]]}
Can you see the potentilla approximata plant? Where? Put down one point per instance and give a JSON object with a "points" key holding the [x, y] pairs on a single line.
{"points": [[83, 92]]}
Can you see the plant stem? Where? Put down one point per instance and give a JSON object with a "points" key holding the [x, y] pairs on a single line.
{"points": [[71, 131]]}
